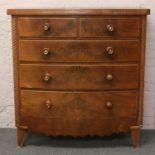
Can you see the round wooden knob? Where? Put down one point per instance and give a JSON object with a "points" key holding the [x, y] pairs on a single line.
{"points": [[46, 51], [109, 77], [109, 104], [110, 50], [48, 104], [46, 27], [47, 77], [110, 28]]}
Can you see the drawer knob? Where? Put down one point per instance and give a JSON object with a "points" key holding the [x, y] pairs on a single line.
{"points": [[110, 50], [46, 27], [110, 28], [46, 51], [47, 77], [109, 77], [48, 104], [109, 104]]}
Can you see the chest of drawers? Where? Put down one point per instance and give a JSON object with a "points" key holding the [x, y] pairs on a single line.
{"points": [[78, 72]]}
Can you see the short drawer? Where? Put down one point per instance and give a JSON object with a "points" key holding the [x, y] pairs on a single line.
{"points": [[79, 105], [79, 51], [110, 27], [79, 77], [47, 27]]}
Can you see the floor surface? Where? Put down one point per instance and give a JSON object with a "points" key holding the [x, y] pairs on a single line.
{"points": [[119, 144]]}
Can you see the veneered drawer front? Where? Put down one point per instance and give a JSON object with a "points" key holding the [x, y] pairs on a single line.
{"points": [[79, 105], [79, 77], [78, 51], [111, 28], [47, 27]]}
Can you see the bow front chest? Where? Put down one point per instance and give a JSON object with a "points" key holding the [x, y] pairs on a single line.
{"points": [[78, 72]]}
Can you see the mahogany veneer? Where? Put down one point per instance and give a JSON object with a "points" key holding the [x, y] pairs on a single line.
{"points": [[79, 72]]}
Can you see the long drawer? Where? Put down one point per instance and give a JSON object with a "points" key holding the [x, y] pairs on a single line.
{"points": [[79, 77], [79, 51], [79, 105]]}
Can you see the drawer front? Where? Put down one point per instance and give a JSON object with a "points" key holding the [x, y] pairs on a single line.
{"points": [[78, 51], [84, 77], [79, 105], [112, 27], [47, 27]]}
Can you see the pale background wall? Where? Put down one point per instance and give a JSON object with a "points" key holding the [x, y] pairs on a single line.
{"points": [[6, 81]]}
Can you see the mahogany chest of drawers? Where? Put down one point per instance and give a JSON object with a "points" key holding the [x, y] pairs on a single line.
{"points": [[78, 72]]}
